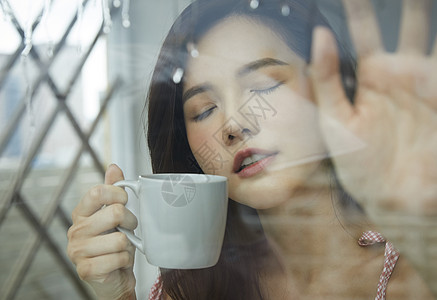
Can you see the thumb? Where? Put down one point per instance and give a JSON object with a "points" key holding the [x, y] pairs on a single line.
{"points": [[325, 76], [113, 174]]}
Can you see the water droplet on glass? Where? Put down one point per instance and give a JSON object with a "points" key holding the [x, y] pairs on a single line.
{"points": [[106, 14], [254, 4], [79, 12], [191, 48], [6, 17], [349, 81], [6, 11], [27, 40], [177, 75], [194, 53], [28, 93], [45, 23], [50, 49], [46, 10], [126, 23], [79, 25], [285, 10], [116, 3], [125, 14]]}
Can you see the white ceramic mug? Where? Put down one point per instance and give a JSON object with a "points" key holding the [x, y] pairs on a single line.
{"points": [[182, 218]]}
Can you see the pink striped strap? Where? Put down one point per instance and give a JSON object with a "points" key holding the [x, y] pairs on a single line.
{"points": [[156, 291], [391, 256]]}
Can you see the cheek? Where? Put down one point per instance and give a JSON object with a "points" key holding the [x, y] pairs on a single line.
{"points": [[208, 152], [294, 129], [294, 112], [197, 139]]}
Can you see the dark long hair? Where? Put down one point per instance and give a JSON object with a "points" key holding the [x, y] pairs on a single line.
{"points": [[245, 250]]}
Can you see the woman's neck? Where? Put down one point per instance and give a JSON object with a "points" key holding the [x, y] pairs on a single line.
{"points": [[315, 238]]}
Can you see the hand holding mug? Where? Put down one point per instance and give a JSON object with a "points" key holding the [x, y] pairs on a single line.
{"points": [[104, 257]]}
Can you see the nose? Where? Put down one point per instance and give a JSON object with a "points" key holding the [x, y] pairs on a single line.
{"points": [[238, 129], [241, 123]]}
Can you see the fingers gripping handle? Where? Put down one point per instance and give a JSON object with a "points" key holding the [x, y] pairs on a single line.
{"points": [[132, 184], [136, 241]]}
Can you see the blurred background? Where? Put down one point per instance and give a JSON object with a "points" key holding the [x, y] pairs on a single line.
{"points": [[73, 82], [73, 79]]}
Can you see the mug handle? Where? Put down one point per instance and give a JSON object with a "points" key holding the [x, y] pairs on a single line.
{"points": [[134, 186]]}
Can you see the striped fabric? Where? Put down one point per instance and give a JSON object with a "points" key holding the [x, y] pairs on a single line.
{"points": [[391, 256], [156, 291]]}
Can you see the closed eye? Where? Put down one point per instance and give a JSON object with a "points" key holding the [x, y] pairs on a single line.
{"points": [[268, 90], [205, 114]]}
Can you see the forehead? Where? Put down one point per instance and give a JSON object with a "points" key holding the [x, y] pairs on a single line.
{"points": [[235, 41]]}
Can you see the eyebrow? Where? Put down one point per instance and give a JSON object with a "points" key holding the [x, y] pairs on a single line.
{"points": [[246, 69], [197, 89], [260, 63]]}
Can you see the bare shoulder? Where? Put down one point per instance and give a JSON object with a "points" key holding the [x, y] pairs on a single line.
{"points": [[406, 283]]}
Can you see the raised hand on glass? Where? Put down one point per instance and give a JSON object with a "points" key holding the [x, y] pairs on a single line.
{"points": [[394, 115], [392, 172]]}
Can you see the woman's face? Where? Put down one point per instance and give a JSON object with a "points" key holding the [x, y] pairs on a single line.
{"points": [[249, 114]]}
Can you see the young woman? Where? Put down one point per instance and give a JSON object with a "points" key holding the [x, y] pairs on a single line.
{"points": [[259, 93]]}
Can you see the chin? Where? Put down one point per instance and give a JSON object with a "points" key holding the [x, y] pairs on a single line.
{"points": [[262, 201], [265, 193], [273, 189]]}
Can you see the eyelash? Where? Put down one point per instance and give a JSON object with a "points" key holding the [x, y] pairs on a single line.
{"points": [[204, 115], [209, 111], [269, 90]]}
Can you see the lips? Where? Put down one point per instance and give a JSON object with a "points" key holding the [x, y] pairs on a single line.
{"points": [[251, 161]]}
